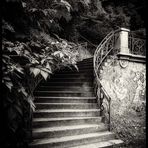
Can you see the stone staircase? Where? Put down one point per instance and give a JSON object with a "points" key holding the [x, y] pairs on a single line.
{"points": [[67, 114]]}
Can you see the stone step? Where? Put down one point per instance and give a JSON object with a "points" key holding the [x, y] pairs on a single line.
{"points": [[84, 63], [86, 60], [46, 99], [87, 72], [53, 132], [64, 93], [67, 83], [78, 74], [80, 66], [80, 70], [69, 141], [61, 121], [60, 88], [115, 143], [85, 66], [66, 105], [74, 75], [47, 113], [75, 79]]}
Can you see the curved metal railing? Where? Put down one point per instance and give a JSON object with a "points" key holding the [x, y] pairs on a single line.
{"points": [[110, 46], [106, 47], [137, 45]]}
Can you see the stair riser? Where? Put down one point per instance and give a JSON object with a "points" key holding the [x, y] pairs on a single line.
{"points": [[68, 75], [66, 114], [69, 132], [77, 79], [83, 76], [68, 144], [85, 66], [81, 70], [90, 71], [48, 88], [89, 64], [82, 67], [58, 94], [38, 124], [64, 106], [75, 75], [50, 100], [86, 62], [65, 84]]}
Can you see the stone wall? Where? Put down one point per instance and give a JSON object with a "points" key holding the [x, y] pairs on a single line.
{"points": [[125, 82]]}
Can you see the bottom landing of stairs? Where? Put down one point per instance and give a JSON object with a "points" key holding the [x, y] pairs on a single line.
{"points": [[100, 140]]}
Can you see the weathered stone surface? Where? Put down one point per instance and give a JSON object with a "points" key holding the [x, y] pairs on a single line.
{"points": [[125, 82], [125, 85]]}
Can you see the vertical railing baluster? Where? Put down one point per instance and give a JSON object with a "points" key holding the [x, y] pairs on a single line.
{"points": [[109, 115]]}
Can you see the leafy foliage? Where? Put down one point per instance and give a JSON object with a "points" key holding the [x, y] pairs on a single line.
{"points": [[24, 64]]}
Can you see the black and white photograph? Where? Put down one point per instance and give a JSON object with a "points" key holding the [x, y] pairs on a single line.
{"points": [[73, 74]]}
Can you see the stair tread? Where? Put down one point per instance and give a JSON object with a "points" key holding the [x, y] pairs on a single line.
{"points": [[71, 127], [76, 73], [62, 87], [63, 118], [65, 110], [70, 138], [100, 144], [66, 97], [62, 91], [77, 82], [66, 103]]}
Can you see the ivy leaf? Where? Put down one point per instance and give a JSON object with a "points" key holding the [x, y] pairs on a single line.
{"points": [[46, 70], [48, 66], [6, 56], [61, 55], [9, 85], [49, 58], [6, 78], [76, 67], [23, 91], [44, 74], [42, 61], [19, 110], [33, 10], [24, 4], [8, 26], [19, 69], [10, 49], [35, 71], [56, 52], [30, 101]]}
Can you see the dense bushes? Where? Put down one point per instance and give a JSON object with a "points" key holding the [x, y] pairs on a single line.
{"points": [[28, 55]]}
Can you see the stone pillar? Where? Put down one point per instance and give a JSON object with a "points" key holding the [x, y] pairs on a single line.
{"points": [[123, 41]]}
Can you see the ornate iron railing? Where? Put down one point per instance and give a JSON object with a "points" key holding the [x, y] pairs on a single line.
{"points": [[137, 46], [111, 46], [106, 47]]}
